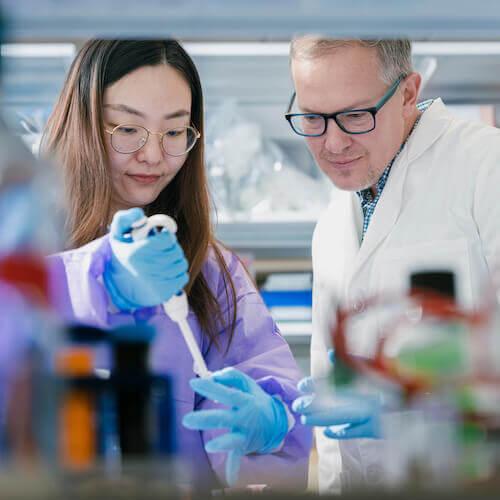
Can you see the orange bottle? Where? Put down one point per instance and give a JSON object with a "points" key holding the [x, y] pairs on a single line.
{"points": [[77, 413]]}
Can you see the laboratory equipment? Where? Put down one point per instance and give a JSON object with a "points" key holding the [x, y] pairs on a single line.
{"points": [[177, 307], [390, 317], [90, 406], [252, 175], [29, 207], [440, 361], [145, 421]]}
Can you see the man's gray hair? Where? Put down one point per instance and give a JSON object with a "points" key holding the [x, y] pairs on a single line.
{"points": [[394, 55]]}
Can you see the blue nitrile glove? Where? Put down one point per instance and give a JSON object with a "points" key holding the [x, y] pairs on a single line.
{"points": [[257, 422], [347, 415], [146, 272]]}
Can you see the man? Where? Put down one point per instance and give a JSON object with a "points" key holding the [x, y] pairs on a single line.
{"points": [[417, 188]]}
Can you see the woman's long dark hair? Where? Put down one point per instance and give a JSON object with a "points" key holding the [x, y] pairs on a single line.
{"points": [[75, 135]]}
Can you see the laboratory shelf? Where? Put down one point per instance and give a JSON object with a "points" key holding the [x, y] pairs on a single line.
{"points": [[279, 265], [298, 333], [268, 240]]}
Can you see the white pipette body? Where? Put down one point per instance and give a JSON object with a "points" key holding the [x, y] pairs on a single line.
{"points": [[177, 307]]}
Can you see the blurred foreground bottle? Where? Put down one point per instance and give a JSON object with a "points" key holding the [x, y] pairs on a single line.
{"points": [[434, 346], [436, 369], [115, 419], [29, 207], [30, 330], [439, 347]]}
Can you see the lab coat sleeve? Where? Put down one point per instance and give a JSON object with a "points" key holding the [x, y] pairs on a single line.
{"points": [[77, 289], [259, 350]]}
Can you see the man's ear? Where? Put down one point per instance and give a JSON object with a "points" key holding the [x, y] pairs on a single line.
{"points": [[411, 90]]}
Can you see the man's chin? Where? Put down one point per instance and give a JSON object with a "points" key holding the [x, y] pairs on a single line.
{"points": [[349, 184]]}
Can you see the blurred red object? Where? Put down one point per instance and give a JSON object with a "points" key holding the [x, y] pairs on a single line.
{"points": [[431, 304], [28, 273]]}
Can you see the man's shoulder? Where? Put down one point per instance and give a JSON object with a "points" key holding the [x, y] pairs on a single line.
{"points": [[462, 144], [472, 144], [470, 130]]}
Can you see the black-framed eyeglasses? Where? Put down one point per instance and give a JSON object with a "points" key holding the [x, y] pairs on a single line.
{"points": [[127, 139], [352, 121]]}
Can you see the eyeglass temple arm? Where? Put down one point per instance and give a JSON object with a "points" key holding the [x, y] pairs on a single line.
{"points": [[389, 93], [290, 104]]}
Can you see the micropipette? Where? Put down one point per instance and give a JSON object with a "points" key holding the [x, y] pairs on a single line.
{"points": [[176, 307]]}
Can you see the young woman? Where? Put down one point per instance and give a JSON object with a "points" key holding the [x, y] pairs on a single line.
{"points": [[128, 131]]}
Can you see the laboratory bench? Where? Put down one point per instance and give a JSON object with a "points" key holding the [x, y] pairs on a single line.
{"points": [[21, 488]]}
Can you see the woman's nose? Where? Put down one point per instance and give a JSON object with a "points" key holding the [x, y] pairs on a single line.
{"points": [[151, 152]]}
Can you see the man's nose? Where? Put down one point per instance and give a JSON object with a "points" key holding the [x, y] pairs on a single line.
{"points": [[336, 140]]}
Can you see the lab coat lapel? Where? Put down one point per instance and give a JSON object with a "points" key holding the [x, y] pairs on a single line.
{"points": [[346, 223], [386, 211], [334, 248], [354, 229], [352, 239], [432, 124]]}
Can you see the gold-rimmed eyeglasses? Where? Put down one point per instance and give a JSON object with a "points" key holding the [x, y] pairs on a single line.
{"points": [[127, 139]]}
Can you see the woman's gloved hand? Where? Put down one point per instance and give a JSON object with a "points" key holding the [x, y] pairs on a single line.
{"points": [[346, 414], [256, 421], [146, 272]]}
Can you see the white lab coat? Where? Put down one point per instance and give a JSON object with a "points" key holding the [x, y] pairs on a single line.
{"points": [[440, 207]]}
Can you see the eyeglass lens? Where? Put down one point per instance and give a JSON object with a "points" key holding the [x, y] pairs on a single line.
{"points": [[358, 122], [175, 142]]}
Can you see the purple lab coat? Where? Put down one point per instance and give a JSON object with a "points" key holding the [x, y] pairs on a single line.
{"points": [[257, 348]]}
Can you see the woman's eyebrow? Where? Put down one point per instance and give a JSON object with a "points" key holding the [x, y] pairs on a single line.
{"points": [[127, 109], [124, 108], [177, 114]]}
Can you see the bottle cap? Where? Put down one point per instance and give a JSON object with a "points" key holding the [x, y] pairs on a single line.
{"points": [[439, 281]]}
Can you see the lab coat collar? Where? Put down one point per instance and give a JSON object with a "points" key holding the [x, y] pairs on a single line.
{"points": [[434, 121]]}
